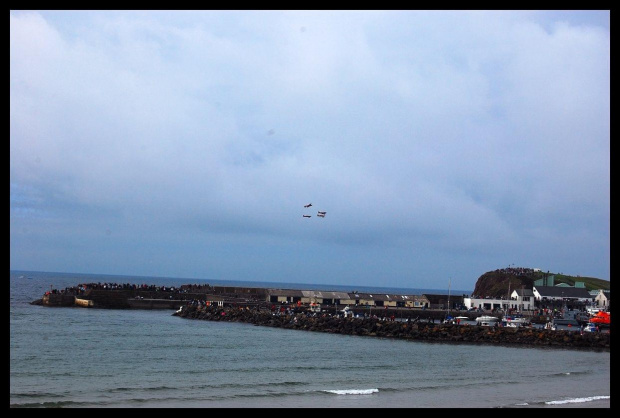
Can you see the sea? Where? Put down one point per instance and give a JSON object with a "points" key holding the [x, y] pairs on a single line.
{"points": [[103, 358]]}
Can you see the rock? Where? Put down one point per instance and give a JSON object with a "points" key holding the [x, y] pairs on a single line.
{"points": [[401, 330]]}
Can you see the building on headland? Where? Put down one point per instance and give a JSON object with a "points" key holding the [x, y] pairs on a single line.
{"points": [[603, 299], [494, 304], [542, 293], [524, 299], [561, 293], [546, 280], [520, 300]]}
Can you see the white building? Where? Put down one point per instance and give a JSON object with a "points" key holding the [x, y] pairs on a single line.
{"points": [[561, 293], [524, 299], [520, 300], [603, 298]]}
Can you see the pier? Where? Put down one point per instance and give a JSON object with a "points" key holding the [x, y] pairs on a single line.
{"points": [[406, 330]]}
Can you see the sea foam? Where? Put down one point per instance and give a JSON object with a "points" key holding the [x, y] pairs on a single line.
{"points": [[353, 391], [577, 400]]}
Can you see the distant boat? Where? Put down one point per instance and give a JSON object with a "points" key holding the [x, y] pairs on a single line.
{"points": [[516, 320], [590, 327], [571, 318], [601, 319], [550, 325], [487, 321], [347, 311]]}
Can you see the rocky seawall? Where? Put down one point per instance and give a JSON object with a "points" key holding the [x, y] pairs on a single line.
{"points": [[375, 327]]}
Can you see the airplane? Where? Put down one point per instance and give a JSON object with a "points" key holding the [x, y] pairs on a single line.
{"points": [[308, 205], [321, 214], [307, 216]]}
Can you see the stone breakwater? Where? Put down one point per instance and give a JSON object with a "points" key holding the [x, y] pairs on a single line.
{"points": [[375, 327]]}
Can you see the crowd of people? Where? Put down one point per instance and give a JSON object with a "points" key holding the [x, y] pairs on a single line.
{"points": [[517, 271], [83, 287]]}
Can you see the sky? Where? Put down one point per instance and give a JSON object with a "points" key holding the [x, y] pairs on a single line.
{"points": [[441, 144]]}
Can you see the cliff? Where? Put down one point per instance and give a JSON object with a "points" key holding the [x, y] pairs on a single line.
{"points": [[497, 283]]}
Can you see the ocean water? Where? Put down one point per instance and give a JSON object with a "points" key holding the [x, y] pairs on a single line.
{"points": [[95, 358]]}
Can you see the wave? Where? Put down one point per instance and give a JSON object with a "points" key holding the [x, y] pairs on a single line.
{"points": [[208, 386], [577, 400], [353, 391], [564, 401], [60, 404], [143, 389], [37, 395], [563, 374]]}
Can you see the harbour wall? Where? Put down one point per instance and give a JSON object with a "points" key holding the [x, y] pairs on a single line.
{"points": [[409, 324], [235, 297], [121, 299], [151, 299], [407, 330]]}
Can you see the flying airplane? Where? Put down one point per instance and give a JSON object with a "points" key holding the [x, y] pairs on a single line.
{"points": [[307, 216], [308, 205], [321, 214]]}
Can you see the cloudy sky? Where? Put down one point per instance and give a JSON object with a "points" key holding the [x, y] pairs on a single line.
{"points": [[441, 145]]}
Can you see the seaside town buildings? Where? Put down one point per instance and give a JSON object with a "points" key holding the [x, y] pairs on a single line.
{"points": [[150, 297]]}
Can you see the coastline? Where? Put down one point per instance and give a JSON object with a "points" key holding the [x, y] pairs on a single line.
{"points": [[146, 359]]}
